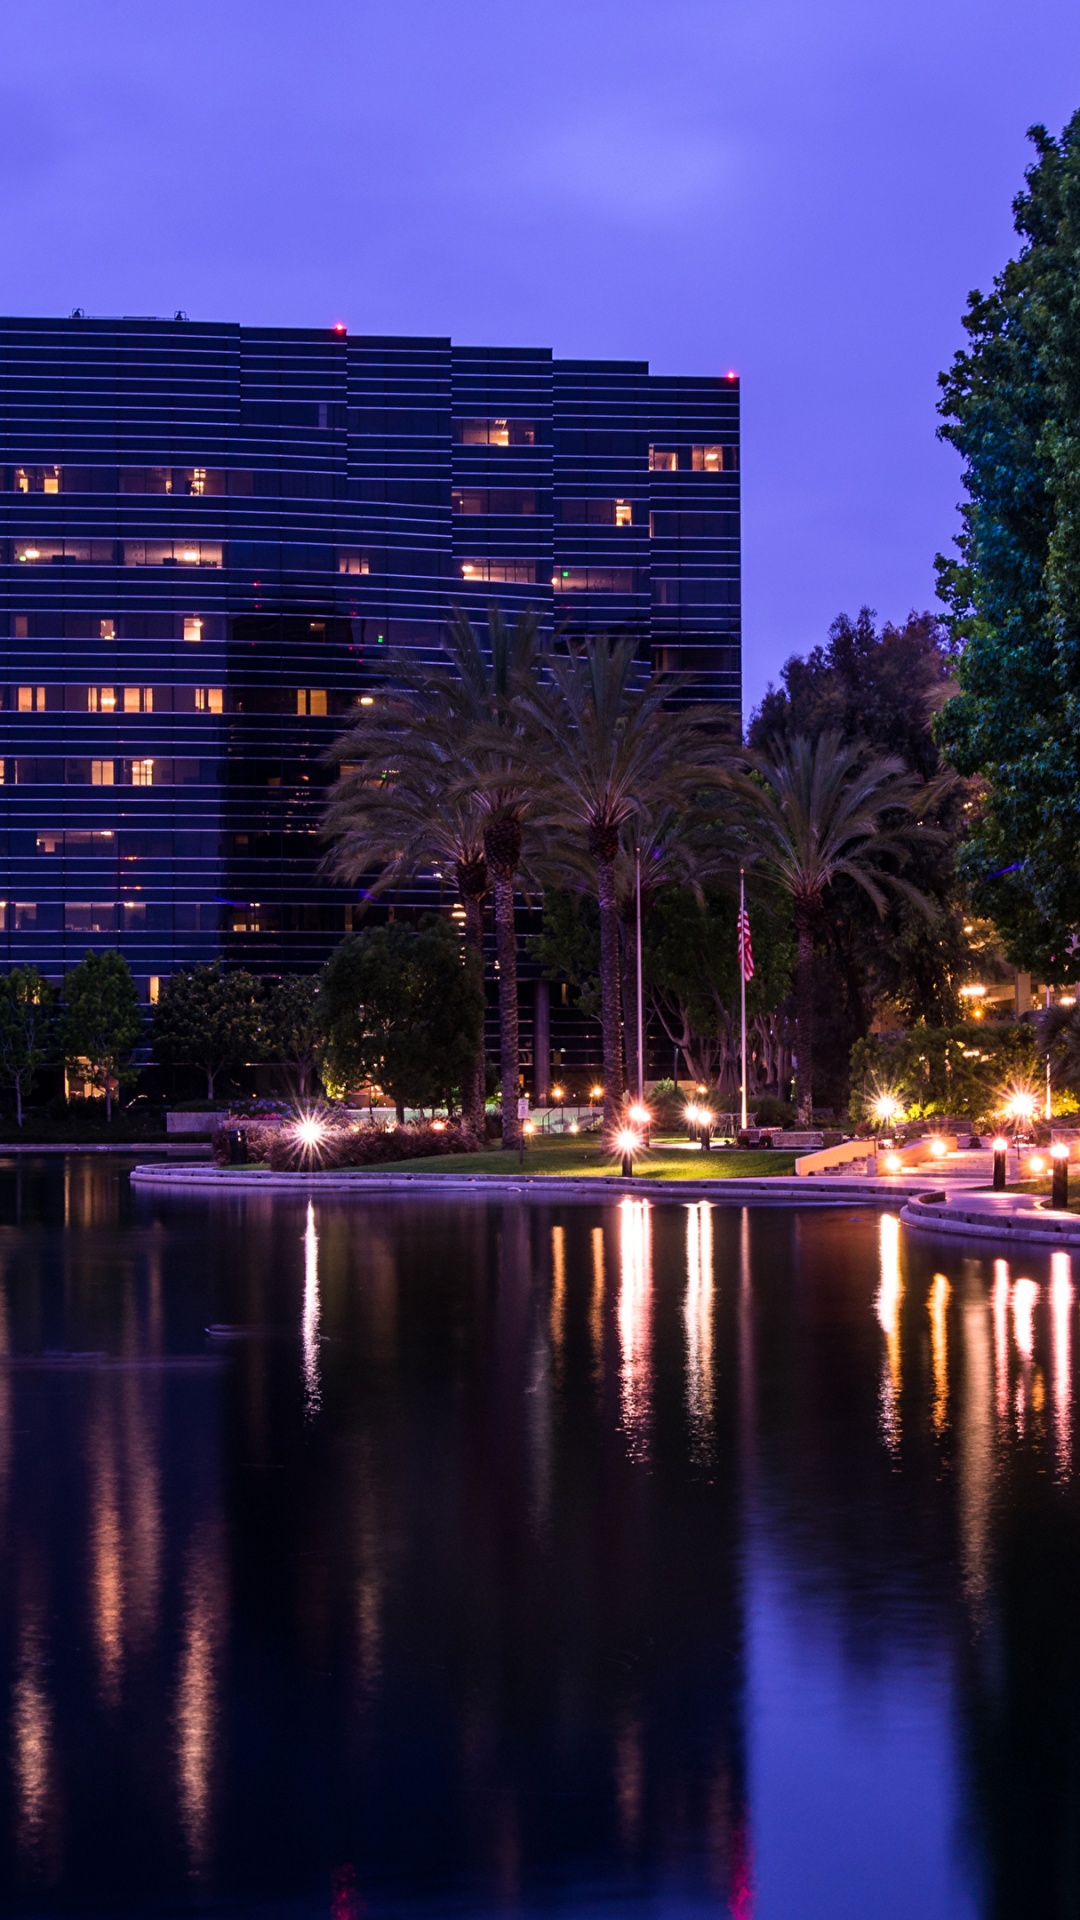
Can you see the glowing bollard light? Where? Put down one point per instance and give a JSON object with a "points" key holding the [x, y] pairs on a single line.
{"points": [[1059, 1191], [691, 1117], [641, 1118], [627, 1143], [893, 1163], [1037, 1165], [939, 1147], [705, 1121], [1001, 1148]]}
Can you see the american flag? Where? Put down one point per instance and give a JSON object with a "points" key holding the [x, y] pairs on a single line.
{"points": [[746, 951]]}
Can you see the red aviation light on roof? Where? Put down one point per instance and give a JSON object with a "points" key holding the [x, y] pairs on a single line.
{"points": [[339, 326], [731, 376]]}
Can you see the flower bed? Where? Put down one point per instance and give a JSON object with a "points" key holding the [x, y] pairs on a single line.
{"points": [[282, 1148]]}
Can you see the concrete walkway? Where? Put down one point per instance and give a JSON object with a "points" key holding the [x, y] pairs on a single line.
{"points": [[1006, 1218]]}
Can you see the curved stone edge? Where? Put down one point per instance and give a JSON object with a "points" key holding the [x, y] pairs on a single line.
{"points": [[954, 1221], [779, 1189]]}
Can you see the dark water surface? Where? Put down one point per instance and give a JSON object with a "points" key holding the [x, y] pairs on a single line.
{"points": [[529, 1558]]}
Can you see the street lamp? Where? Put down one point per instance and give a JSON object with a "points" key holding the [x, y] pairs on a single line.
{"points": [[641, 1118], [627, 1143]]}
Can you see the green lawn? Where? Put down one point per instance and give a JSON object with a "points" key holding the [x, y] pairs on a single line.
{"points": [[585, 1157]]}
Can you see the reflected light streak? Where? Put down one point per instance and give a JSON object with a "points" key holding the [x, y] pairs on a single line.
{"points": [[596, 1305], [1061, 1299], [698, 1312], [1025, 1294], [5, 1401], [32, 1742], [196, 1698], [976, 1459], [635, 1291], [312, 1383], [106, 1558], [1000, 1301], [558, 1290], [937, 1307], [887, 1304]]}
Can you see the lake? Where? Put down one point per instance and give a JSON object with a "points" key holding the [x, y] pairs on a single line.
{"points": [[517, 1557]]}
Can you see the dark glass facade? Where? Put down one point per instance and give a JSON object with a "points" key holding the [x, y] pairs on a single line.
{"points": [[211, 535]]}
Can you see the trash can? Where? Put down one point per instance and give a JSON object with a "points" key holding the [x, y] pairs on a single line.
{"points": [[238, 1151]]}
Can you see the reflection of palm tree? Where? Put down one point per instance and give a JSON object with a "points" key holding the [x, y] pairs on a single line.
{"points": [[822, 810], [611, 755]]}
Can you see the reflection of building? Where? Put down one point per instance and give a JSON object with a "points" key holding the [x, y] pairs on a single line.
{"points": [[209, 537]]}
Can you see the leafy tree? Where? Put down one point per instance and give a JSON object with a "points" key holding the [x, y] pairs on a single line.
{"points": [[102, 1021], [828, 811], [883, 687], [209, 1019], [403, 1006], [692, 975], [1010, 407], [612, 755], [290, 1025], [964, 1069], [27, 1031], [567, 946]]}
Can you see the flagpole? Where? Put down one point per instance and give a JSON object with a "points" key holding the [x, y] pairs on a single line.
{"points": [[640, 995], [742, 987]]}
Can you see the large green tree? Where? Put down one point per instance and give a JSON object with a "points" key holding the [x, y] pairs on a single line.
{"points": [[290, 1025], [102, 1021], [1011, 407], [27, 1031], [209, 1019], [403, 1006]]}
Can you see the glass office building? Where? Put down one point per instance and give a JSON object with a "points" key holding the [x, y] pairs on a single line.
{"points": [[211, 536]]}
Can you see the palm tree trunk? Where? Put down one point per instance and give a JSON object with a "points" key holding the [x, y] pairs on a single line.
{"points": [[475, 1087], [610, 996], [804, 1027], [509, 1052]]}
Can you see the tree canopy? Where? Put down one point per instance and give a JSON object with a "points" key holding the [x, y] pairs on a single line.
{"points": [[102, 1021], [403, 1006], [209, 1019], [1011, 406], [27, 1031]]}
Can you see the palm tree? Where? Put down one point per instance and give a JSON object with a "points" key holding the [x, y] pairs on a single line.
{"points": [[825, 808], [432, 781], [612, 755]]}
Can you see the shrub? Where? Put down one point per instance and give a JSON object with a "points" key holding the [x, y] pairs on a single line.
{"points": [[345, 1146]]}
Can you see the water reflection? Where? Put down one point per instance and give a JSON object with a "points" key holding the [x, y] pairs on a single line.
{"points": [[483, 1635], [635, 1327], [698, 1312], [312, 1383]]}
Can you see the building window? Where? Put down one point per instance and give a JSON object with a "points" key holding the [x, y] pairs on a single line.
{"points": [[172, 553], [102, 773], [209, 699], [3, 916], [495, 433], [89, 916], [624, 513], [520, 573], [25, 915], [107, 629], [153, 989], [101, 699], [96, 553], [311, 700], [663, 460], [142, 773], [707, 459], [594, 580], [493, 500], [22, 626], [192, 627], [30, 699], [138, 699], [351, 560], [133, 915]]}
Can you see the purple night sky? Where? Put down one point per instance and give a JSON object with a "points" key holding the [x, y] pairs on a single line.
{"points": [[804, 193]]}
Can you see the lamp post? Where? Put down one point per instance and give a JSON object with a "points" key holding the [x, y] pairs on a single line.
{"points": [[1001, 1148], [704, 1128], [1059, 1192], [628, 1144]]}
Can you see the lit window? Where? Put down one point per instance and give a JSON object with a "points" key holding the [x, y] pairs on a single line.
{"points": [[102, 773], [198, 480], [22, 480], [3, 916], [89, 916], [192, 628], [28, 553], [663, 460], [349, 560], [517, 572], [171, 553], [142, 773], [594, 580], [209, 699], [495, 433], [22, 626], [30, 699], [624, 513], [49, 843], [138, 699], [707, 459], [107, 629], [51, 481], [367, 700], [153, 989], [25, 913], [101, 699], [133, 913]]}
